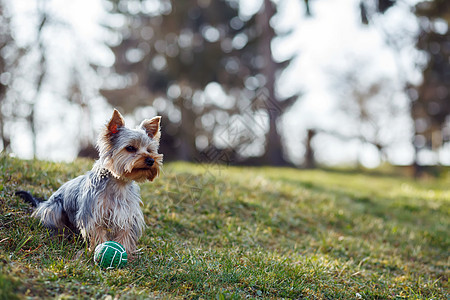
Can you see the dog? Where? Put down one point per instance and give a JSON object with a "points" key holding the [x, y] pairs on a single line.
{"points": [[104, 204]]}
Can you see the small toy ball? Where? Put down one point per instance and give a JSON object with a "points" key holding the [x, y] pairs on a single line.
{"points": [[110, 255]]}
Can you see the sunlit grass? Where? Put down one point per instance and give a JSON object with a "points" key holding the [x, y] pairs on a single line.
{"points": [[234, 232]]}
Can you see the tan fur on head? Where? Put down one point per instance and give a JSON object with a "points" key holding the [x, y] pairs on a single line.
{"points": [[140, 171]]}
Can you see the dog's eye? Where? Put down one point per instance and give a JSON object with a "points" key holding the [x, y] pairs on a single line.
{"points": [[131, 148]]}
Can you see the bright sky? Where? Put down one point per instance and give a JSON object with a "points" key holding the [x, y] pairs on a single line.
{"points": [[323, 46]]}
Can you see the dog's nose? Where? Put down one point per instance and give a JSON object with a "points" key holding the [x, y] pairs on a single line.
{"points": [[149, 161]]}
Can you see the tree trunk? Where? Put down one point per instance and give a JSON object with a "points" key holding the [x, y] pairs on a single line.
{"points": [[274, 149], [5, 140], [42, 13], [310, 162]]}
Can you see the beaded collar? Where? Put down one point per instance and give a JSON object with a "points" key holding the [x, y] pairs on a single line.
{"points": [[104, 174]]}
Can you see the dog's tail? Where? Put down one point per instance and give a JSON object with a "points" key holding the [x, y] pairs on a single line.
{"points": [[27, 197]]}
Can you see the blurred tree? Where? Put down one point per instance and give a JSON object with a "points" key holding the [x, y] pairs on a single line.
{"points": [[370, 7], [371, 109], [41, 68], [10, 53], [170, 51], [431, 99], [275, 106], [169, 54], [14, 61]]}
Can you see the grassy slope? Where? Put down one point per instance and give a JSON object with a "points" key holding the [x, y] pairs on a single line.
{"points": [[237, 232]]}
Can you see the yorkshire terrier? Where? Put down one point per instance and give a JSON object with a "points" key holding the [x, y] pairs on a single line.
{"points": [[104, 204]]}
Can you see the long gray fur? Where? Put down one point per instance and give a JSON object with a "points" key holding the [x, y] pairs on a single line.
{"points": [[104, 204]]}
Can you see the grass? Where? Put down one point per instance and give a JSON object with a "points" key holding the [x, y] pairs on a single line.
{"points": [[233, 233]]}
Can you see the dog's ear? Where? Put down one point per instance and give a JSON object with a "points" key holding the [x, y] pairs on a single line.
{"points": [[152, 128], [115, 123]]}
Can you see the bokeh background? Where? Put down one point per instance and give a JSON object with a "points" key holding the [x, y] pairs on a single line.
{"points": [[258, 82]]}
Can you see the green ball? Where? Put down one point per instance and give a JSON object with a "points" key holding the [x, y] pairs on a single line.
{"points": [[110, 255]]}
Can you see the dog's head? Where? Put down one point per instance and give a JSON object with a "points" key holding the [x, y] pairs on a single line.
{"points": [[131, 153]]}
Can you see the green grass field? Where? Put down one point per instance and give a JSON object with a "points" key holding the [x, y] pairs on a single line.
{"points": [[233, 233]]}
